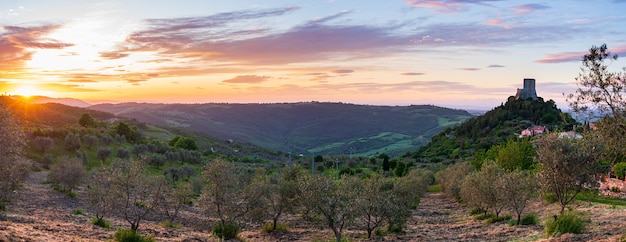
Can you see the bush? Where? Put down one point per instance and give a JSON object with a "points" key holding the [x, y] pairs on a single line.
{"points": [[485, 216], [567, 222], [79, 212], [530, 219], [396, 228], [169, 224], [502, 218], [127, 235], [269, 227], [100, 222], [68, 174], [226, 231], [477, 211], [549, 198], [620, 169]]}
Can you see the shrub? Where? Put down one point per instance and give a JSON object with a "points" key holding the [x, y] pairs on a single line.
{"points": [[530, 219], [485, 216], [127, 235], [226, 231], [100, 222], [549, 198], [68, 174], [494, 219], [396, 228], [79, 212], [169, 224], [269, 227], [477, 211], [620, 169], [380, 233], [567, 222], [615, 189]]}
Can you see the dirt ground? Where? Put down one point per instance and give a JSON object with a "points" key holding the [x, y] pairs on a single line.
{"points": [[41, 214]]}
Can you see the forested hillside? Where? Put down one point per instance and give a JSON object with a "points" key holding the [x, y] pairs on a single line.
{"points": [[305, 128], [496, 126]]}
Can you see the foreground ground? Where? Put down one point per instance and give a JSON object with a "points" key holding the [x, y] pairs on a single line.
{"points": [[42, 214]]}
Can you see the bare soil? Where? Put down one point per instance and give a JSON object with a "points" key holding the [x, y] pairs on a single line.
{"points": [[39, 213]]}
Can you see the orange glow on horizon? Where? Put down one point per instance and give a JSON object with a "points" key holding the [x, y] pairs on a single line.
{"points": [[28, 91]]}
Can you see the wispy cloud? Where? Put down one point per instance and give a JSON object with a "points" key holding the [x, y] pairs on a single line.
{"points": [[113, 55], [136, 81], [343, 71], [528, 8], [562, 57], [498, 22], [210, 39], [412, 73], [495, 66], [81, 80], [66, 87], [16, 44], [249, 79], [447, 6], [468, 69], [577, 56]]}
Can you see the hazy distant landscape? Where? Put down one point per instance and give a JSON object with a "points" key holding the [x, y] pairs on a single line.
{"points": [[304, 128]]}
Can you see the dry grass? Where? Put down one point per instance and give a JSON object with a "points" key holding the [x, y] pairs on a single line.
{"points": [[42, 214]]}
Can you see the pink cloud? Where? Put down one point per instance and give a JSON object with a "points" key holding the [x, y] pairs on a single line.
{"points": [[497, 22], [446, 6], [578, 56], [247, 79], [562, 57], [15, 43], [528, 8], [343, 71]]}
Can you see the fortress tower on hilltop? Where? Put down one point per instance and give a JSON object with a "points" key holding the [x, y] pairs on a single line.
{"points": [[528, 91]]}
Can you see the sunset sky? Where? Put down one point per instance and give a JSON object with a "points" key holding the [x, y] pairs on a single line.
{"points": [[452, 53]]}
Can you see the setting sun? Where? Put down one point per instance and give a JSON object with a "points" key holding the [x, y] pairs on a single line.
{"points": [[28, 91]]}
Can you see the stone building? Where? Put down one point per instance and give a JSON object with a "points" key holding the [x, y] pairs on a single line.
{"points": [[528, 91]]}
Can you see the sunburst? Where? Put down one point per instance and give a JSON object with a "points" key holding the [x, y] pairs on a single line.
{"points": [[28, 91]]}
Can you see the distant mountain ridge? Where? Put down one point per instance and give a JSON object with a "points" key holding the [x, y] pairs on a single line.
{"points": [[65, 101], [304, 128]]}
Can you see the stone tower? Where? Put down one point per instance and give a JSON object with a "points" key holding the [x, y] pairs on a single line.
{"points": [[528, 91]]}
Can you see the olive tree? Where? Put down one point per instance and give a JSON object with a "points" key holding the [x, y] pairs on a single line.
{"points": [[67, 173], [275, 194], [224, 195], [72, 142], [333, 200], [519, 187], [599, 90], [137, 193], [568, 165], [124, 188], [452, 177], [484, 189], [99, 195], [374, 202], [173, 199], [43, 143], [602, 92], [13, 169], [90, 140]]}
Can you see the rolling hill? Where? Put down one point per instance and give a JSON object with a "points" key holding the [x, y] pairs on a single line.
{"points": [[304, 128], [496, 126]]}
